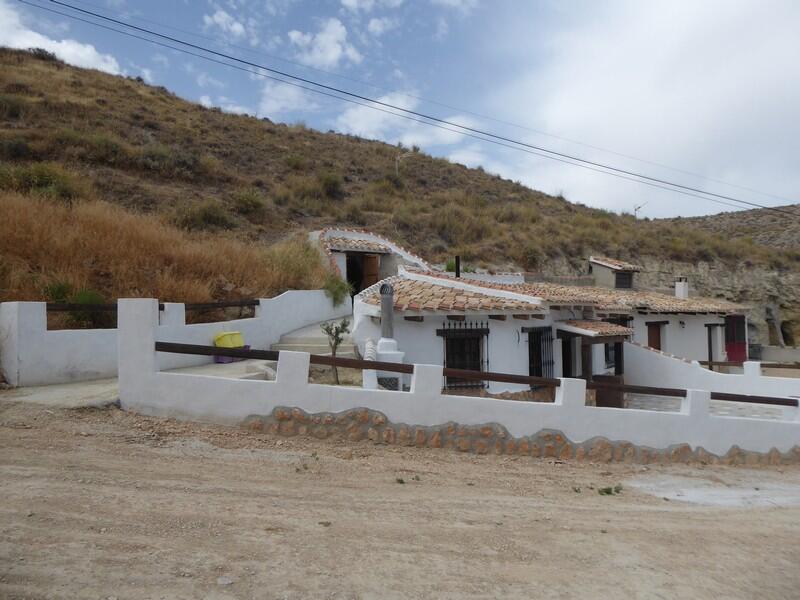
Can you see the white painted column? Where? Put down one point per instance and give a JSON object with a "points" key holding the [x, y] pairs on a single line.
{"points": [[751, 369], [571, 393], [696, 403], [137, 319]]}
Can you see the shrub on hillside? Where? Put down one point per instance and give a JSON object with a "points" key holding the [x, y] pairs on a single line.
{"points": [[11, 107], [250, 203], [208, 215], [49, 180], [15, 149], [331, 185], [95, 319], [296, 163]]}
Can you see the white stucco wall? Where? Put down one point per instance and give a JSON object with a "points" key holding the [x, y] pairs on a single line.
{"points": [[30, 354], [644, 366], [689, 341], [495, 277], [507, 344], [143, 388]]}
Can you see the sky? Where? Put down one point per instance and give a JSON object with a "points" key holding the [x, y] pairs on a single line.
{"points": [[705, 94]]}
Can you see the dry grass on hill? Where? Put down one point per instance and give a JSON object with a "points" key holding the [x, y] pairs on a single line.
{"points": [[143, 148], [95, 245]]}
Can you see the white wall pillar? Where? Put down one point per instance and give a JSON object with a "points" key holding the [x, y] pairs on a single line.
{"points": [[137, 319], [427, 380], [571, 393], [9, 341], [558, 367], [751, 368], [174, 313], [696, 403], [293, 368]]}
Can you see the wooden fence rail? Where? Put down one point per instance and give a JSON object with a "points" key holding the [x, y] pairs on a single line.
{"points": [[353, 363], [72, 307]]}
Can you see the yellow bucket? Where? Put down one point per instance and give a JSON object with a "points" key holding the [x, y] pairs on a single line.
{"points": [[229, 339]]}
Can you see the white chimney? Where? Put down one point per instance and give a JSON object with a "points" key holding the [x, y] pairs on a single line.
{"points": [[681, 288]]}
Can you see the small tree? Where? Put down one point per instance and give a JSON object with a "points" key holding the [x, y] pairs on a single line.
{"points": [[335, 333]]}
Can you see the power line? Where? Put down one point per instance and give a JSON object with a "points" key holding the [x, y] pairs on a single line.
{"points": [[436, 103], [426, 119]]}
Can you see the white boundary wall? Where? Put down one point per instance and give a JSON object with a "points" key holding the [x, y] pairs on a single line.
{"points": [[30, 354], [645, 366], [145, 389]]}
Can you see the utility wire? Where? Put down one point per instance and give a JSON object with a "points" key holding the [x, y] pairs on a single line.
{"points": [[431, 120], [350, 100], [435, 102]]}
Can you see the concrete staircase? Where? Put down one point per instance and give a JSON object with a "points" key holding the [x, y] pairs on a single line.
{"points": [[311, 339]]}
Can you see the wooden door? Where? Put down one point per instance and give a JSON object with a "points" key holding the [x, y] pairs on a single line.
{"points": [[654, 336], [566, 357], [372, 269]]}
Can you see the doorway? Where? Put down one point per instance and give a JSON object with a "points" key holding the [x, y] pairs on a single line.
{"points": [[566, 357], [654, 335], [363, 270]]}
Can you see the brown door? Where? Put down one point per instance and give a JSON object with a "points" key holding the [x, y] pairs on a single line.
{"points": [[372, 269], [654, 336]]}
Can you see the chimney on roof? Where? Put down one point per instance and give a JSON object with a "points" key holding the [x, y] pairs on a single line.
{"points": [[387, 311], [681, 288]]}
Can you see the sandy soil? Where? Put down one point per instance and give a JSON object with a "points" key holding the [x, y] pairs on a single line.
{"points": [[97, 503]]}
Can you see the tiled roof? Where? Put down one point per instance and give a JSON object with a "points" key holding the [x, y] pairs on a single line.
{"points": [[614, 263], [413, 295], [356, 245], [601, 328], [608, 299]]}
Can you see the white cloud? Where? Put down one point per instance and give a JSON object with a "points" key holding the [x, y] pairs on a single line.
{"points": [[442, 29], [206, 101], [462, 5], [203, 80], [374, 124], [277, 98], [378, 27], [232, 28], [327, 47], [160, 60], [14, 34], [672, 83], [356, 5], [146, 74], [225, 23], [231, 106]]}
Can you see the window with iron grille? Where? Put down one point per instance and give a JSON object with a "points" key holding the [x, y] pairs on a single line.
{"points": [[540, 351], [465, 347]]}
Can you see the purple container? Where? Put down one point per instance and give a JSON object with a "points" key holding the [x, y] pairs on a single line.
{"points": [[224, 360]]}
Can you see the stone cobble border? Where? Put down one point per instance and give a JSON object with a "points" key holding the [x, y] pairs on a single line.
{"points": [[364, 424]]}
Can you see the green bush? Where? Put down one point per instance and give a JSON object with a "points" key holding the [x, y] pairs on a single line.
{"points": [[331, 185], [208, 215], [296, 163], [337, 289], [90, 318], [11, 107], [250, 203], [58, 291], [44, 179]]}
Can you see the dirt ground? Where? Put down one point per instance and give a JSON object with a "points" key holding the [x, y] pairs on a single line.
{"points": [[98, 503]]}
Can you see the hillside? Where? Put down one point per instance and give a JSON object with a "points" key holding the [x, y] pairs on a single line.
{"points": [[73, 136], [763, 226]]}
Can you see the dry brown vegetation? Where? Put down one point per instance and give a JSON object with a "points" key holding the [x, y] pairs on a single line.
{"points": [[97, 246], [68, 134]]}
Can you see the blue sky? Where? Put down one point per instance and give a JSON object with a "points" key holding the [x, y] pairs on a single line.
{"points": [[708, 89]]}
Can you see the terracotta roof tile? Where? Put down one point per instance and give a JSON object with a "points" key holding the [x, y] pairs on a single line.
{"points": [[607, 299], [601, 328], [410, 294], [356, 245]]}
